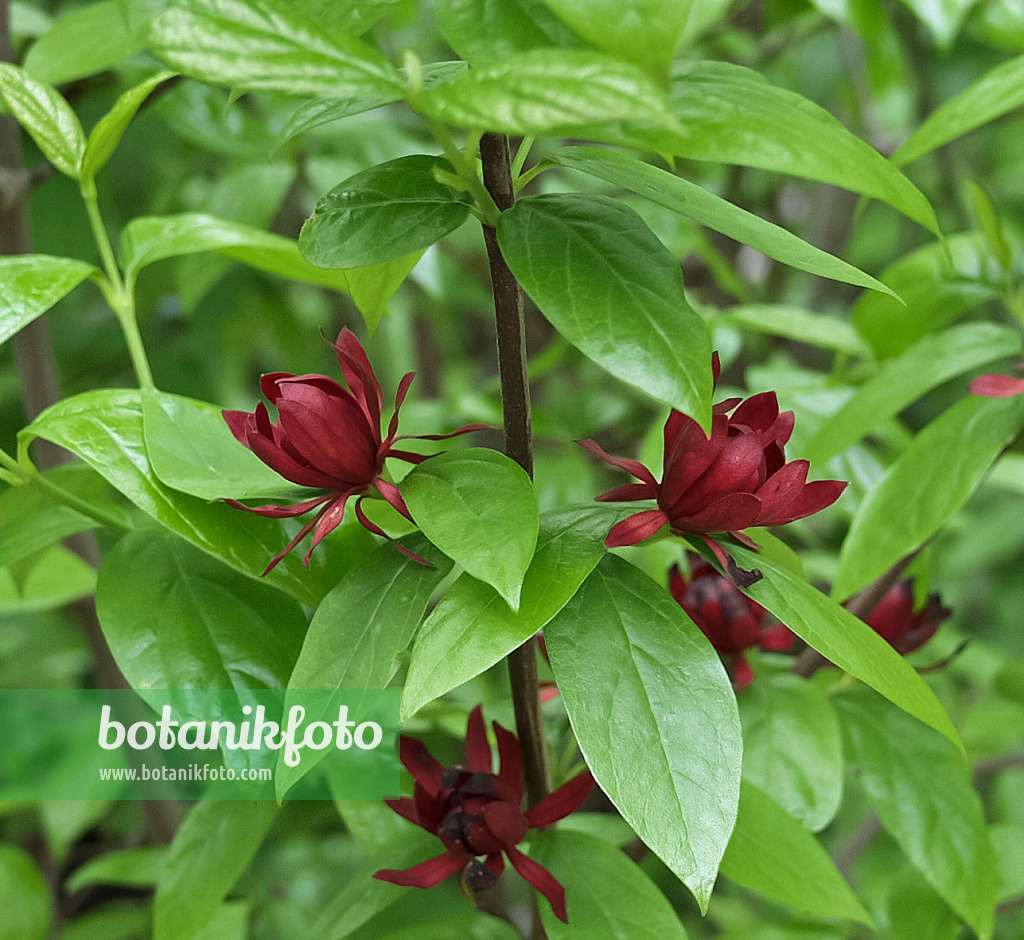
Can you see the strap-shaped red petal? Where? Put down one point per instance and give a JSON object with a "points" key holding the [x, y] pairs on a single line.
{"points": [[732, 511], [506, 822], [403, 390], [734, 469], [542, 880], [269, 385], [329, 520], [465, 429], [236, 422], [425, 875], [406, 808], [815, 496], [776, 637], [997, 386], [636, 528], [742, 673], [677, 584], [629, 492], [390, 492], [565, 800], [510, 781], [688, 453], [303, 532], [278, 511], [781, 489], [425, 769], [359, 375], [478, 750], [623, 463], [758, 412]]}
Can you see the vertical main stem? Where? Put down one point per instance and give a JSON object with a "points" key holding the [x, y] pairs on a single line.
{"points": [[515, 406]]}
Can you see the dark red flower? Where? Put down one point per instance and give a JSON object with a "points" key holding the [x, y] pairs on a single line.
{"points": [[737, 477], [727, 617], [328, 437], [995, 385], [895, 620], [476, 814]]}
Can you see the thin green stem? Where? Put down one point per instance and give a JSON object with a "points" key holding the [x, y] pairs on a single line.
{"points": [[99, 232], [487, 209], [531, 174], [521, 154], [101, 515]]}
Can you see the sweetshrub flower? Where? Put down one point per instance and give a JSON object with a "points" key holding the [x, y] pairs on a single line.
{"points": [[328, 437], [737, 477], [995, 385], [895, 620], [728, 618], [476, 814]]}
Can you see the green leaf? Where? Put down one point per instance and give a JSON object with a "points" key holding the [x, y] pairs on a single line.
{"points": [[112, 920], [149, 239], [105, 428], [942, 17], [920, 789], [128, 868], [842, 638], [916, 911], [1008, 845], [646, 32], [382, 214], [453, 498], [47, 580], [792, 747], [83, 42], [472, 628], [482, 32], [729, 114], [210, 850], [996, 93], [177, 619], [549, 92], [192, 450], [106, 135], [772, 853], [901, 381], [797, 324], [362, 629], [655, 716], [24, 896], [256, 45], [345, 17], [929, 482], [31, 284], [614, 291], [606, 892], [990, 225], [46, 115], [698, 205]]}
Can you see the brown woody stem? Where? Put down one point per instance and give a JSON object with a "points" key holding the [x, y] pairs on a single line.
{"points": [[515, 405]]}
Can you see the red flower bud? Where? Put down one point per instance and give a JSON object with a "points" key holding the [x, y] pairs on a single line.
{"points": [[895, 620], [477, 816]]}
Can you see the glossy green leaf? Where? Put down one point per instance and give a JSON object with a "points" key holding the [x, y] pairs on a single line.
{"points": [[105, 136], [646, 32], [31, 519], [996, 93], [482, 32], [382, 214], [149, 239], [363, 628], [31, 284], [655, 716], [210, 850], [452, 499], [46, 115], [550, 92], [129, 868], [901, 381], [942, 17], [24, 896], [105, 428], [920, 789], [792, 747], [797, 324], [729, 114], [606, 892], [46, 580], [772, 853], [929, 482], [1008, 845], [192, 449], [472, 628], [991, 226], [614, 291], [175, 618], [844, 639], [87, 40], [262, 44], [113, 920], [700, 206], [916, 911], [345, 17]]}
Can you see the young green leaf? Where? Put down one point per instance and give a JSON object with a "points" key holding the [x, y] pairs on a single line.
{"points": [[611, 288], [655, 716], [472, 628], [105, 136], [607, 894], [931, 361], [771, 852], [479, 508], [210, 851], [32, 284], [844, 639], [990, 226], [263, 44], [929, 482], [24, 896], [797, 324], [382, 214], [920, 789], [482, 32], [127, 868], [46, 115], [792, 747], [700, 206], [46, 580]]}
